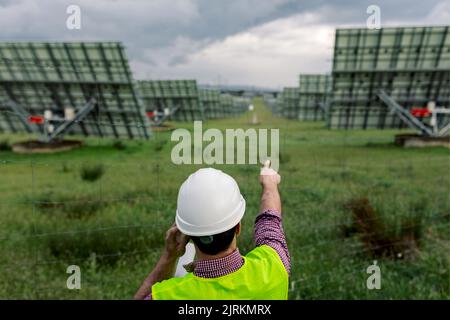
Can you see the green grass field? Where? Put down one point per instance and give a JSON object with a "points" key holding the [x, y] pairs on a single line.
{"points": [[113, 227]]}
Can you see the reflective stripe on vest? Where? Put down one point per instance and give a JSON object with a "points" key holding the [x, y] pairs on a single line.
{"points": [[262, 276]]}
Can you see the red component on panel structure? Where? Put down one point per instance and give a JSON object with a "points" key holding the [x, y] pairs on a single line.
{"points": [[150, 114], [420, 112], [36, 119]]}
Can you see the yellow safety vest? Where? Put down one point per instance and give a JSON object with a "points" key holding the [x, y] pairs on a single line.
{"points": [[262, 276]]}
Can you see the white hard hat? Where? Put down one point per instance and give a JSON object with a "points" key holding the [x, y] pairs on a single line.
{"points": [[209, 202]]}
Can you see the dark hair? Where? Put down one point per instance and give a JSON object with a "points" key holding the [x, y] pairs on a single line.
{"points": [[215, 243]]}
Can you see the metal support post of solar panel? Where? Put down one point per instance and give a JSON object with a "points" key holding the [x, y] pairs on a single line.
{"points": [[177, 98], [410, 64], [57, 81], [314, 93]]}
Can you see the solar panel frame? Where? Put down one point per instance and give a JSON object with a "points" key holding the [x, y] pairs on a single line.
{"points": [[44, 76], [412, 64]]}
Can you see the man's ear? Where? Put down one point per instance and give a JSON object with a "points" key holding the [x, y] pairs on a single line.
{"points": [[238, 229]]}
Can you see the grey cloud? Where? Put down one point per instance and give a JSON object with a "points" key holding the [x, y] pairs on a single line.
{"points": [[151, 30], [5, 3], [178, 60]]}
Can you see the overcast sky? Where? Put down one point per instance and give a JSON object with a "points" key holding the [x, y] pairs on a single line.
{"points": [[251, 42]]}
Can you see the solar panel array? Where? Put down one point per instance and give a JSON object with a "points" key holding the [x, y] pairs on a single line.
{"points": [[223, 105], [210, 100], [314, 92], [181, 96], [289, 100], [41, 76], [272, 102], [278, 106], [227, 105], [305, 102], [241, 103], [412, 64]]}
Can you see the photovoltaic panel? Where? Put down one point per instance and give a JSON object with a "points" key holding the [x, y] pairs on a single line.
{"points": [[210, 100], [179, 95], [53, 76], [226, 105], [232, 106], [241, 104], [271, 101], [290, 101], [411, 64], [314, 90]]}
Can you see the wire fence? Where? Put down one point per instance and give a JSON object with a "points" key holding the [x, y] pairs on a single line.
{"points": [[296, 286], [351, 249]]}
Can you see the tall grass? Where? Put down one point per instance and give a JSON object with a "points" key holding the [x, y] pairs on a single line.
{"points": [[380, 240], [5, 145], [92, 172]]}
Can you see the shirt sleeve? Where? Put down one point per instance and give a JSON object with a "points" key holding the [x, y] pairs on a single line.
{"points": [[269, 231]]}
